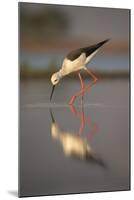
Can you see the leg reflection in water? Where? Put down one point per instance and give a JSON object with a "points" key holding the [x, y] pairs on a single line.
{"points": [[76, 145], [84, 121]]}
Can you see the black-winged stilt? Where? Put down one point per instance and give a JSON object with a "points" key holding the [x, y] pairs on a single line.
{"points": [[76, 61]]}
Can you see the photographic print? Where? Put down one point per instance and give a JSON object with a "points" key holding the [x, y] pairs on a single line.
{"points": [[74, 88]]}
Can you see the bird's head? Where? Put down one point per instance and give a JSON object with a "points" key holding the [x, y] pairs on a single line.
{"points": [[55, 78]]}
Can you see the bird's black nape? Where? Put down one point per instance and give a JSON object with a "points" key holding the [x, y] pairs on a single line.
{"points": [[53, 87]]}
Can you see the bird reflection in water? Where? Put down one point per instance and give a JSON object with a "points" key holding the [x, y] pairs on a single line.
{"points": [[77, 145]]}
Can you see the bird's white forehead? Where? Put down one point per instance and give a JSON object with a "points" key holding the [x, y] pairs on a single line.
{"points": [[53, 77]]}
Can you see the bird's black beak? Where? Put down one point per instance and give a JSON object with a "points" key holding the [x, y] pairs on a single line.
{"points": [[52, 92]]}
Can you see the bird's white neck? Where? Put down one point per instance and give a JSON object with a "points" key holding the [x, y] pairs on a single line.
{"points": [[60, 74]]}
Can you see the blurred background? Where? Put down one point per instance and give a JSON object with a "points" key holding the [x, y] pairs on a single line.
{"points": [[48, 32]]}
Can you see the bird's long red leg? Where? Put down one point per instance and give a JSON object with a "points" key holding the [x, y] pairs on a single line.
{"points": [[86, 87], [82, 90], [90, 84], [81, 115], [82, 87]]}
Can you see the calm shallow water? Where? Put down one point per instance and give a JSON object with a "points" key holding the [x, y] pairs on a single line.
{"points": [[66, 149]]}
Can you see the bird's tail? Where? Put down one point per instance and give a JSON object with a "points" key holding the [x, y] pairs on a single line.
{"points": [[92, 50], [102, 43]]}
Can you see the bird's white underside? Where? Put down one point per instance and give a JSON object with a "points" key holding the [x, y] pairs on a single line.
{"points": [[69, 66], [88, 59]]}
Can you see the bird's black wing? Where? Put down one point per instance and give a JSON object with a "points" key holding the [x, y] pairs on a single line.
{"points": [[87, 50], [74, 54]]}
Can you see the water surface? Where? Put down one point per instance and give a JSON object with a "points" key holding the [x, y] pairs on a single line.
{"points": [[66, 149]]}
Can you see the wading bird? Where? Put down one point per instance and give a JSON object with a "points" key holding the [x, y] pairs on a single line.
{"points": [[76, 61]]}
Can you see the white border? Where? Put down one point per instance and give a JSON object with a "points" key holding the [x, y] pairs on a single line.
{"points": [[94, 3], [9, 98]]}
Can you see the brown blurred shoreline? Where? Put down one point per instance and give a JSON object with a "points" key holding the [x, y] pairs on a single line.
{"points": [[61, 44]]}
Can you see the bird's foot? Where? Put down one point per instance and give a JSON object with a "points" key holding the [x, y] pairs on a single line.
{"points": [[72, 100]]}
